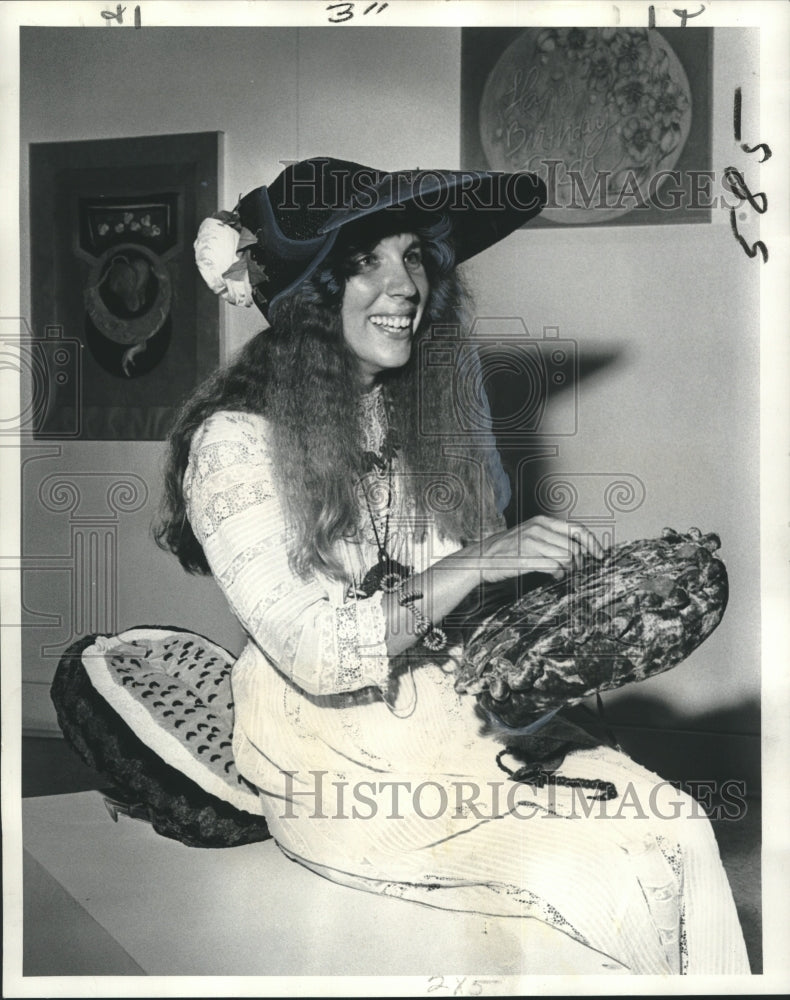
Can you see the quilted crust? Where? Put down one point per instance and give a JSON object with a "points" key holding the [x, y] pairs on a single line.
{"points": [[176, 806], [638, 612]]}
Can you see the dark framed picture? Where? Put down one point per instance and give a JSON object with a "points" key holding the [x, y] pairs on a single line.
{"points": [[617, 121], [123, 327]]}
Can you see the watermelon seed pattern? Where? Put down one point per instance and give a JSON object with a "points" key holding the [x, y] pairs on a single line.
{"points": [[133, 707]]}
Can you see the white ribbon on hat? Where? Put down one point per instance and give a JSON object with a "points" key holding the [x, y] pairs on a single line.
{"points": [[216, 251]]}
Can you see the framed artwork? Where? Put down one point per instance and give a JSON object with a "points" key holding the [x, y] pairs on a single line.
{"points": [[124, 328], [617, 121]]}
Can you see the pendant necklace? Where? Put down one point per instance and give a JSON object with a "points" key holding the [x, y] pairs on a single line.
{"points": [[387, 574]]}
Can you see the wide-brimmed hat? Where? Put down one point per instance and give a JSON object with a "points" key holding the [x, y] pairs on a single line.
{"points": [[283, 231]]}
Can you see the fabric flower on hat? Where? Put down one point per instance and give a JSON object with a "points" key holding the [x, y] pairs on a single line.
{"points": [[216, 254]]}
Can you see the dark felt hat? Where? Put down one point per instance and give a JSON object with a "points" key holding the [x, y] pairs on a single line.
{"points": [[296, 219]]}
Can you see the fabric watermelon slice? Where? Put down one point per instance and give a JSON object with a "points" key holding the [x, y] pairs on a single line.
{"points": [[152, 710]]}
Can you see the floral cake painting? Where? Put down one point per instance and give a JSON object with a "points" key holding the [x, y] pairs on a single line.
{"points": [[615, 120]]}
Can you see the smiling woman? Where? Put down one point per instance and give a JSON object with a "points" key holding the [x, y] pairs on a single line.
{"points": [[383, 303], [325, 482]]}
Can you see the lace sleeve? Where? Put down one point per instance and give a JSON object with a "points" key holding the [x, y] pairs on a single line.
{"points": [[233, 506]]}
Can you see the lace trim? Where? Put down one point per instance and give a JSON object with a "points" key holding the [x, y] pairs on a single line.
{"points": [[218, 455], [673, 855], [373, 418], [538, 907], [273, 595], [661, 883], [221, 506], [249, 555], [212, 456], [326, 647], [361, 651]]}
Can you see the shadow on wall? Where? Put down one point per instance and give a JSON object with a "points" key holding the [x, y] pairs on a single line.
{"points": [[720, 746], [533, 387]]}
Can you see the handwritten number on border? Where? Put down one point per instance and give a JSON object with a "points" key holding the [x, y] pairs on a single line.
{"points": [[736, 183], [683, 14], [117, 16], [464, 987], [344, 11], [108, 15]]}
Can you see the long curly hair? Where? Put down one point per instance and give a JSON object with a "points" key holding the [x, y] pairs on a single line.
{"points": [[300, 375]]}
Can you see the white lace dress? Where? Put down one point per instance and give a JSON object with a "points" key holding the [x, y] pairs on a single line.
{"points": [[389, 784]]}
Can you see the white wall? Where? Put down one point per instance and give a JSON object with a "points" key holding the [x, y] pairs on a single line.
{"points": [[678, 409]]}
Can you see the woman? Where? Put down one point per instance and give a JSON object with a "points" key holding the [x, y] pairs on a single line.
{"points": [[326, 482]]}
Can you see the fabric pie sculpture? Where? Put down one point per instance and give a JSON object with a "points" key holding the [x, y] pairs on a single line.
{"points": [[637, 612], [152, 710]]}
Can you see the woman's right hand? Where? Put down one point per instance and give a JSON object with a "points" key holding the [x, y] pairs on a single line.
{"points": [[540, 545]]}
